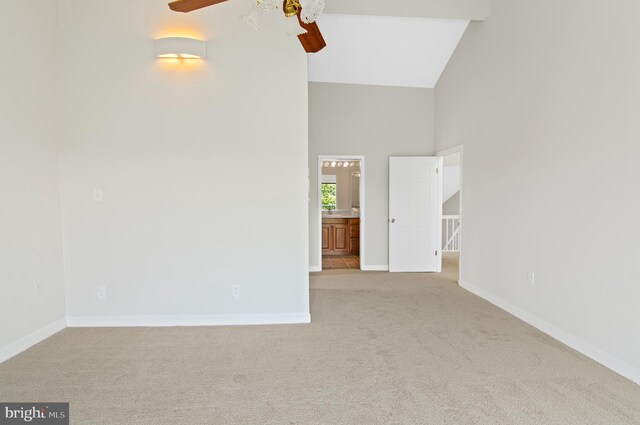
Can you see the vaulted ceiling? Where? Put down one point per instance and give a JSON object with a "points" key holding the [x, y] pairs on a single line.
{"points": [[444, 9], [385, 50]]}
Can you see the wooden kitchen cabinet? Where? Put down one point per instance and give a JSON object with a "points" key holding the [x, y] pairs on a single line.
{"points": [[341, 239], [326, 244], [354, 236], [340, 236]]}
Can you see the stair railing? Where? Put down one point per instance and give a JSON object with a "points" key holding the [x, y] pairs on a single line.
{"points": [[451, 233]]}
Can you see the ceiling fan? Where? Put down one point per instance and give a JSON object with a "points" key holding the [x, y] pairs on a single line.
{"points": [[312, 40]]}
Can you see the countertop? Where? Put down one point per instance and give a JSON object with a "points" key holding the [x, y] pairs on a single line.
{"points": [[340, 215]]}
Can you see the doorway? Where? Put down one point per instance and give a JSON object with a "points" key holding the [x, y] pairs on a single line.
{"points": [[452, 212], [341, 198]]}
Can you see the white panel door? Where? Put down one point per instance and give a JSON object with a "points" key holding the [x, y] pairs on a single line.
{"points": [[415, 214]]}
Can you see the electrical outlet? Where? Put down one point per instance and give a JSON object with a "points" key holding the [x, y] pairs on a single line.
{"points": [[531, 278], [37, 288], [97, 195], [235, 291], [102, 292]]}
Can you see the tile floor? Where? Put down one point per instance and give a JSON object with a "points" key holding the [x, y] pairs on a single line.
{"points": [[343, 262]]}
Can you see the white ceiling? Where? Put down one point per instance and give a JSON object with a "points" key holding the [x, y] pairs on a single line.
{"points": [[385, 50], [449, 9]]}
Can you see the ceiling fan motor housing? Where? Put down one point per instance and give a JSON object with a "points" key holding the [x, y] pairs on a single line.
{"points": [[291, 8]]}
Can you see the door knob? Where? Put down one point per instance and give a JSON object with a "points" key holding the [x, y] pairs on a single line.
{"points": [[393, 220]]}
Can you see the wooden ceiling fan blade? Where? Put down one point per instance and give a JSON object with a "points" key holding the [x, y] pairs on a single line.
{"points": [[191, 5], [312, 41]]}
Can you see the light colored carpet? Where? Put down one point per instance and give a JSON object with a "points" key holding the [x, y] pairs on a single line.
{"points": [[383, 349]]}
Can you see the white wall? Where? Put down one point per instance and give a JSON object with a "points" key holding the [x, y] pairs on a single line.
{"points": [[377, 122], [30, 236], [196, 160], [448, 9], [452, 205], [450, 182], [545, 97]]}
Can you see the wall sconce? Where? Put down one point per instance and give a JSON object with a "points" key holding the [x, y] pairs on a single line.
{"points": [[181, 48]]}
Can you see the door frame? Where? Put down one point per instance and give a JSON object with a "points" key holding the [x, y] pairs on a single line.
{"points": [[361, 158], [447, 152]]}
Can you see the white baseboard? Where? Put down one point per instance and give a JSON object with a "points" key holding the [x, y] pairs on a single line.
{"points": [[315, 269], [612, 362], [187, 320], [28, 341], [375, 268], [23, 344]]}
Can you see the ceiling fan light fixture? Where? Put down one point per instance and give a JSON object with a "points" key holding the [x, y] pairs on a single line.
{"points": [[252, 18], [311, 10], [259, 8], [293, 26], [267, 6]]}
